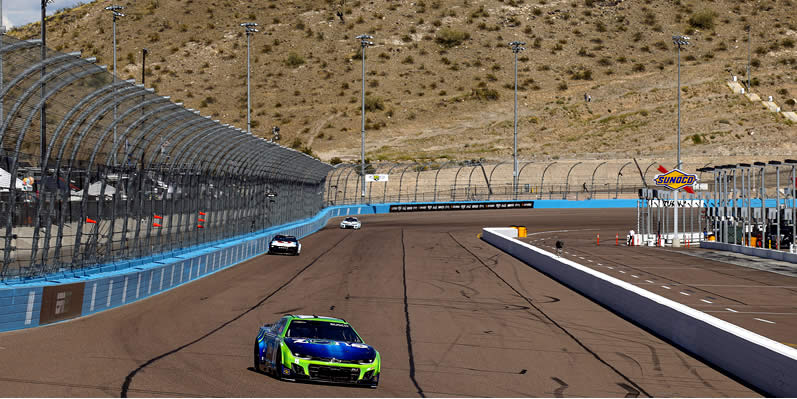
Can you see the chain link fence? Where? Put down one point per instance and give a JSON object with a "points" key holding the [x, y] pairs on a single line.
{"points": [[95, 170]]}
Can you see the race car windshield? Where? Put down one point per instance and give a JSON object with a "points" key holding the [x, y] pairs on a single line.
{"points": [[351, 219], [322, 330]]}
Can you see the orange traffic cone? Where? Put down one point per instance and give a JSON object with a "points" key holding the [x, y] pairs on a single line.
{"points": [[202, 213], [158, 217], [201, 220], [90, 220], [157, 225], [200, 226]]}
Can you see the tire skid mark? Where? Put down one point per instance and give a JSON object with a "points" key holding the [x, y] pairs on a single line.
{"points": [[694, 372], [554, 322], [632, 360], [559, 392], [408, 330], [632, 393], [129, 378], [103, 388]]}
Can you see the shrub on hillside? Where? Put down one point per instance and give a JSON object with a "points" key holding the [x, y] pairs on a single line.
{"points": [[372, 104], [451, 38], [703, 19], [484, 93], [294, 60]]}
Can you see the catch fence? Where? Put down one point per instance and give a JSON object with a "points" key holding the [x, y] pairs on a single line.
{"points": [[483, 180], [97, 170]]}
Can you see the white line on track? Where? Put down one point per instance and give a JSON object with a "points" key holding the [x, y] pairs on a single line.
{"points": [[684, 293], [610, 267], [580, 257], [765, 321], [600, 264], [706, 301], [649, 281], [664, 286], [634, 276], [622, 271], [769, 313], [729, 309], [589, 260]]}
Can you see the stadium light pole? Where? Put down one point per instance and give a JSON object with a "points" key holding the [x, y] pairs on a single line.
{"points": [[250, 29], [2, 34], [364, 43], [516, 48], [114, 9], [749, 28], [678, 41], [43, 113]]}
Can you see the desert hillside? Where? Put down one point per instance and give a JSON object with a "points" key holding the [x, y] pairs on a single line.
{"points": [[440, 76]]}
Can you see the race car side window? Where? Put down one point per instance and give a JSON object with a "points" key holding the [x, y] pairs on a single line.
{"points": [[279, 327]]}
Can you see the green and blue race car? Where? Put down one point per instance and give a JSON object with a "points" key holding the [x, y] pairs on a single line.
{"points": [[316, 348]]}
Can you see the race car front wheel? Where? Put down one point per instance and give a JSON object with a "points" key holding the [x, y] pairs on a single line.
{"points": [[257, 367], [278, 366]]}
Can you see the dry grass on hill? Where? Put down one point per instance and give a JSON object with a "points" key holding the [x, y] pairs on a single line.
{"points": [[440, 77]]}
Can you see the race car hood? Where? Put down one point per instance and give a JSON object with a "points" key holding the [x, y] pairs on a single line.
{"points": [[326, 349]]}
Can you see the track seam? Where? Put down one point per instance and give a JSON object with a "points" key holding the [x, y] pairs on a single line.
{"points": [[551, 319], [129, 378], [408, 330]]}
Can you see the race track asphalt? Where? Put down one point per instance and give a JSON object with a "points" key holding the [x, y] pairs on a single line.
{"points": [[450, 314]]}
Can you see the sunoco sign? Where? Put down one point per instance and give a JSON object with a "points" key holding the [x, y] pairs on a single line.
{"points": [[675, 180]]}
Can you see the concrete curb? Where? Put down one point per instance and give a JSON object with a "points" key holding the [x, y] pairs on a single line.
{"points": [[763, 363]]}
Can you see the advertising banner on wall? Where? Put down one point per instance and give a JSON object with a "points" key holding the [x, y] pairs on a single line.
{"points": [[460, 206], [61, 302]]}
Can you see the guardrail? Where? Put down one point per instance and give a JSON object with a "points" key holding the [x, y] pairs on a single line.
{"points": [[768, 365]]}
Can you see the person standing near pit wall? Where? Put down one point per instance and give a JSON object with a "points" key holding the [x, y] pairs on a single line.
{"points": [[630, 240]]}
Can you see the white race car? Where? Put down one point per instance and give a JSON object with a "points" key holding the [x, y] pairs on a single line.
{"points": [[284, 245], [350, 223]]}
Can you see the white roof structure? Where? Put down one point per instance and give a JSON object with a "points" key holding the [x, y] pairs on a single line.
{"points": [[5, 180]]}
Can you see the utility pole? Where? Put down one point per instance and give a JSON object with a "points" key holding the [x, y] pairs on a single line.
{"points": [[2, 35], [749, 28], [678, 41], [516, 48], [364, 42], [114, 9], [250, 29], [43, 112]]}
